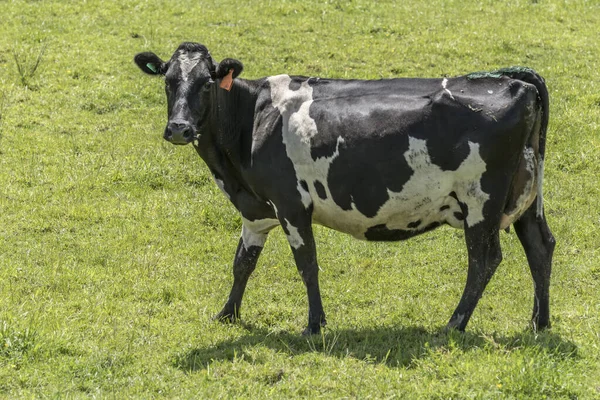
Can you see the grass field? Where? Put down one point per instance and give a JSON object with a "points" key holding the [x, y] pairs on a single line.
{"points": [[116, 247]]}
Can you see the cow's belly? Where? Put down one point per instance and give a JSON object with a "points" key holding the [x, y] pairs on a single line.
{"points": [[406, 217]]}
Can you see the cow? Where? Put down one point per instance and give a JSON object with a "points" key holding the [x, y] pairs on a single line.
{"points": [[381, 160]]}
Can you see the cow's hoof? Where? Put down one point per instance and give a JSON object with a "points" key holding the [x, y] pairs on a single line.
{"points": [[311, 331], [457, 323], [538, 325], [314, 329], [454, 326], [226, 317]]}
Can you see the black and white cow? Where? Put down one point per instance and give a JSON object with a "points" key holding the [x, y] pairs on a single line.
{"points": [[380, 160]]}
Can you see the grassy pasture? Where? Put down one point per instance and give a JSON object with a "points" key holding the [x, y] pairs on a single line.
{"points": [[115, 246]]}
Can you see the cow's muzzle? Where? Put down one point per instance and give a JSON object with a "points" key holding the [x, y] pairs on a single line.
{"points": [[180, 132]]}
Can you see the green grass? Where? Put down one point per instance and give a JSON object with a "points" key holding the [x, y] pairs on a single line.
{"points": [[115, 246]]}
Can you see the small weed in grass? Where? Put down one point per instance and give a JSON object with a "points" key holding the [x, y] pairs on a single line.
{"points": [[27, 63]]}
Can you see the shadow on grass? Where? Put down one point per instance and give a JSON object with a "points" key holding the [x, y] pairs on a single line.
{"points": [[392, 346]]}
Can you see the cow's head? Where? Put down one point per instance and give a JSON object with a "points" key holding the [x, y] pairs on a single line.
{"points": [[190, 77]]}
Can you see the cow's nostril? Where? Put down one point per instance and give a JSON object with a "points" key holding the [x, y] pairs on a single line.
{"points": [[179, 132]]}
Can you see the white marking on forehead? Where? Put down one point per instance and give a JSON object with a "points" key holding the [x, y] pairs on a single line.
{"points": [[444, 86], [187, 63], [254, 233], [294, 237]]}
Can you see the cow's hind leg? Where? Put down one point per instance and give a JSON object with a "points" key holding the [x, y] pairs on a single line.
{"points": [[244, 264], [483, 245], [538, 242]]}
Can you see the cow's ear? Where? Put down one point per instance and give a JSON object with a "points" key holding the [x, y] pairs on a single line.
{"points": [[150, 63], [229, 64]]}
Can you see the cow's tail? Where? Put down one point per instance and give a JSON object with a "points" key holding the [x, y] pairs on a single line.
{"points": [[530, 76]]}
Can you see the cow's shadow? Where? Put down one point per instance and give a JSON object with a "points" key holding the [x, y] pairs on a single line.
{"points": [[392, 346]]}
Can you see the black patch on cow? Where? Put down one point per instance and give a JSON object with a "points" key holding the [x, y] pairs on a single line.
{"points": [[304, 185], [371, 156], [295, 84], [320, 190], [447, 111], [380, 233], [463, 207], [444, 208], [322, 151], [414, 224], [438, 152]]}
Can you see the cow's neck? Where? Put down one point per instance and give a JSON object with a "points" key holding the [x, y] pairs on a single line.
{"points": [[232, 119], [226, 149]]}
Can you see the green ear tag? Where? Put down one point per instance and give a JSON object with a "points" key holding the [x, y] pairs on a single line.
{"points": [[151, 67]]}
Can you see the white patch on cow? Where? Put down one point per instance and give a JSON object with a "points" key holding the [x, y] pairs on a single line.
{"points": [[254, 233], [422, 197], [298, 129], [427, 190], [505, 221], [529, 156], [221, 186], [529, 192], [537, 301], [445, 86], [187, 64], [468, 185], [540, 197], [304, 195], [294, 237], [273, 207]]}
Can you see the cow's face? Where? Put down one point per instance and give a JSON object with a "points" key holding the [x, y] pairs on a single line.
{"points": [[190, 77]]}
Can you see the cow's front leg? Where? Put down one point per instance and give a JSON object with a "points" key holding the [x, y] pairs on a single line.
{"points": [[249, 248], [300, 236]]}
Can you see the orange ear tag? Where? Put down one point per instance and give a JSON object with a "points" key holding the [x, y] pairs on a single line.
{"points": [[227, 81]]}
